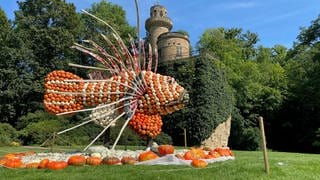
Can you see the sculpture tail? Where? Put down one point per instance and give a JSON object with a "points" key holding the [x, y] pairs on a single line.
{"points": [[60, 94]]}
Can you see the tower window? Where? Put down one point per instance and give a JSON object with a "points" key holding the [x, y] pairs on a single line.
{"points": [[179, 51]]}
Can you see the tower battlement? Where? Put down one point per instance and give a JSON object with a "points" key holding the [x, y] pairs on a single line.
{"points": [[170, 45]]}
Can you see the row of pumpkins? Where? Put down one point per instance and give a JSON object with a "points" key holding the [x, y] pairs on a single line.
{"points": [[196, 155]]}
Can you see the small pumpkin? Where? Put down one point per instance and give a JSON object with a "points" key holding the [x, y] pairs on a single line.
{"points": [[128, 160], [199, 163], [165, 149], [214, 153], [13, 163], [3, 161], [32, 165], [43, 163], [209, 156], [77, 160], [111, 160], [194, 153], [57, 165], [224, 151], [147, 155], [93, 161], [10, 156]]}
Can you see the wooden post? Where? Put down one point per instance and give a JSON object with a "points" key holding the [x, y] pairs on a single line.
{"points": [[53, 141], [185, 137], [264, 146]]}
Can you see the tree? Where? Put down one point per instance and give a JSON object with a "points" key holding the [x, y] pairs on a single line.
{"points": [[14, 74], [257, 79], [111, 13], [298, 121], [39, 43], [310, 35]]}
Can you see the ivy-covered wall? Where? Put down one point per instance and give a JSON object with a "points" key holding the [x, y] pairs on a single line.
{"points": [[210, 98]]}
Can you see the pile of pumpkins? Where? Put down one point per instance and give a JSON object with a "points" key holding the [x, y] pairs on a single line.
{"points": [[196, 155]]}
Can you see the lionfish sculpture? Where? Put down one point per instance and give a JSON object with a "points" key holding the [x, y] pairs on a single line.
{"points": [[132, 91]]}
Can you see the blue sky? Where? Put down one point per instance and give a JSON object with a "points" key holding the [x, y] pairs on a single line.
{"points": [[275, 21]]}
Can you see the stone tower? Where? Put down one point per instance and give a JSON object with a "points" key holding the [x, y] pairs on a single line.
{"points": [[173, 45], [169, 45], [157, 24]]}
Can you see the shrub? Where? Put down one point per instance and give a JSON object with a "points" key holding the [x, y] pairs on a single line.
{"points": [[8, 134], [37, 133], [163, 138]]}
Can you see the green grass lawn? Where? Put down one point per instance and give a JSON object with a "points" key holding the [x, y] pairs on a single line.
{"points": [[247, 165]]}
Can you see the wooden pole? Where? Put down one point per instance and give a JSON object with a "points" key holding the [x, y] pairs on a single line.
{"points": [[185, 137], [53, 141], [264, 146]]}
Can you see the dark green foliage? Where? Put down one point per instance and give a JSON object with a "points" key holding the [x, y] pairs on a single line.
{"points": [[36, 128], [39, 132], [310, 35], [15, 79], [163, 138], [183, 71], [128, 137], [7, 134], [111, 13], [210, 99]]}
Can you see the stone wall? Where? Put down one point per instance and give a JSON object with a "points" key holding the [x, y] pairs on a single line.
{"points": [[220, 136]]}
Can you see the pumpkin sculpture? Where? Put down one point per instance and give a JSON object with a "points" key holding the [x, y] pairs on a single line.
{"points": [[131, 90]]}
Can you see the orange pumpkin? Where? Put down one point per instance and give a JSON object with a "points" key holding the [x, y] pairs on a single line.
{"points": [[77, 160], [128, 160], [57, 165], [224, 151], [214, 153], [32, 165], [209, 156], [165, 149], [111, 161], [194, 153], [148, 155], [43, 163], [3, 161], [13, 163], [199, 163], [10, 156], [93, 161]]}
